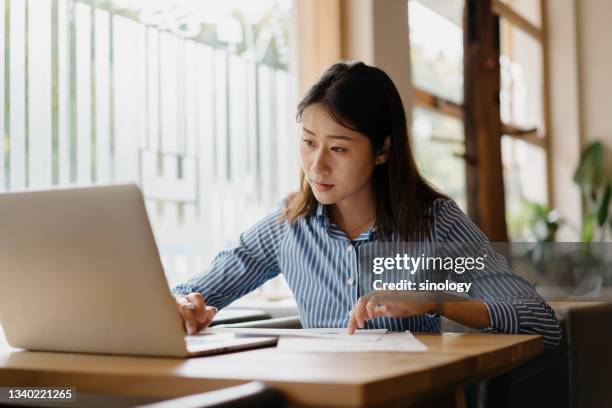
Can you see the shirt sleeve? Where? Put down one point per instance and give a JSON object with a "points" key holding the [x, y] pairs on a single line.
{"points": [[241, 268], [513, 304]]}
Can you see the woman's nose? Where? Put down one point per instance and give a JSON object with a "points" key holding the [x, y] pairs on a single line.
{"points": [[319, 165]]}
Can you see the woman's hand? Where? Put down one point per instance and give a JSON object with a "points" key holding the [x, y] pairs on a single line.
{"points": [[196, 315], [388, 304]]}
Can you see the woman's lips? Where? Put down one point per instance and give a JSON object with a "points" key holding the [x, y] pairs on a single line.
{"points": [[322, 187]]}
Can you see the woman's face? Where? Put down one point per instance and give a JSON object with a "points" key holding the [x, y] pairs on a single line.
{"points": [[337, 161]]}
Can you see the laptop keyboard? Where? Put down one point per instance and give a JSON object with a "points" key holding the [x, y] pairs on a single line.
{"points": [[207, 339]]}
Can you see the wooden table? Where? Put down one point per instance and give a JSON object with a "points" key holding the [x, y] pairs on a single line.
{"points": [[308, 379]]}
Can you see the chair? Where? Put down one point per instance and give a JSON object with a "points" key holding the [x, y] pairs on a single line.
{"points": [[575, 374], [589, 337]]}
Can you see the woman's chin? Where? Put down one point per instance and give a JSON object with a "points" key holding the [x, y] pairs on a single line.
{"points": [[325, 198]]}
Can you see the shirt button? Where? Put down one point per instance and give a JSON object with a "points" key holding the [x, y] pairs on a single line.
{"points": [[349, 248], [350, 281]]}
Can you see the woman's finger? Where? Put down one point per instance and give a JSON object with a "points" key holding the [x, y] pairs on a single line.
{"points": [[371, 309], [352, 324], [361, 313], [197, 300], [210, 313], [188, 313]]}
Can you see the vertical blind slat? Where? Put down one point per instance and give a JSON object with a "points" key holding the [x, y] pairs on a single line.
{"points": [[2, 104], [141, 81], [169, 79], [39, 93], [126, 51], [17, 74], [286, 147], [152, 106], [205, 134], [265, 129], [181, 142], [205, 102], [63, 92], [191, 81], [102, 103], [252, 123], [220, 109], [83, 93], [238, 116]]}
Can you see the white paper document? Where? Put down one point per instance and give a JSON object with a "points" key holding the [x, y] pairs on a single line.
{"points": [[389, 342], [335, 334]]}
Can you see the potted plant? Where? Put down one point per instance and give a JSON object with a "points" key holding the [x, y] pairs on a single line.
{"points": [[595, 186]]}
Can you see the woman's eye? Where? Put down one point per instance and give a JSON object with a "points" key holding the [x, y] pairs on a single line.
{"points": [[308, 142], [338, 149]]}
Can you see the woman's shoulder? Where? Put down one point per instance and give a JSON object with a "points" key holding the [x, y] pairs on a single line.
{"points": [[451, 223], [443, 207]]}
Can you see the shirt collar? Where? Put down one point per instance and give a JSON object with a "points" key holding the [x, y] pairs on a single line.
{"points": [[322, 215], [367, 235]]}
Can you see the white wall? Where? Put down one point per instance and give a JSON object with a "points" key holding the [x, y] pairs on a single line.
{"points": [[594, 21], [376, 32], [565, 112], [580, 49]]}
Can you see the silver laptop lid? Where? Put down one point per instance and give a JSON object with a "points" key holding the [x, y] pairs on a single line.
{"points": [[80, 271]]}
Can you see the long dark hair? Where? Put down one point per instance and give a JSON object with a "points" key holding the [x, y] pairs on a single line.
{"points": [[363, 98]]}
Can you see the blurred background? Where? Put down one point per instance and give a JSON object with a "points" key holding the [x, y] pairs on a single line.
{"points": [[195, 102]]}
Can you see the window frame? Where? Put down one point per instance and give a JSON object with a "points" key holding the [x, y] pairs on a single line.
{"points": [[482, 207]]}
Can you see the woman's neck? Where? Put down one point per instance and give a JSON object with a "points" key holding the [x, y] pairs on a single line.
{"points": [[354, 215]]}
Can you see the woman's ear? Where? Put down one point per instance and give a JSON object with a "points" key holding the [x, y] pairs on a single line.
{"points": [[383, 154]]}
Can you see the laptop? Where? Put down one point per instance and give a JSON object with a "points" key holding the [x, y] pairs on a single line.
{"points": [[80, 272]]}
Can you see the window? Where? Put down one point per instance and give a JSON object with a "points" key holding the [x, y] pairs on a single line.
{"points": [[437, 62], [436, 52], [436, 47], [523, 111], [438, 141], [193, 101]]}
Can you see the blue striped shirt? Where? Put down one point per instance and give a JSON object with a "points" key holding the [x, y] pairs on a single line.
{"points": [[319, 263]]}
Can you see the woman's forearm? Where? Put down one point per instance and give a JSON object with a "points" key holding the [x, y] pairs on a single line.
{"points": [[471, 313]]}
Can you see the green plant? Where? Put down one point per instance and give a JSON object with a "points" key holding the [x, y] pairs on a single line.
{"points": [[543, 221], [595, 186]]}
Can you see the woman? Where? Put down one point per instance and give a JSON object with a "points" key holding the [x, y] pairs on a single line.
{"points": [[359, 184]]}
